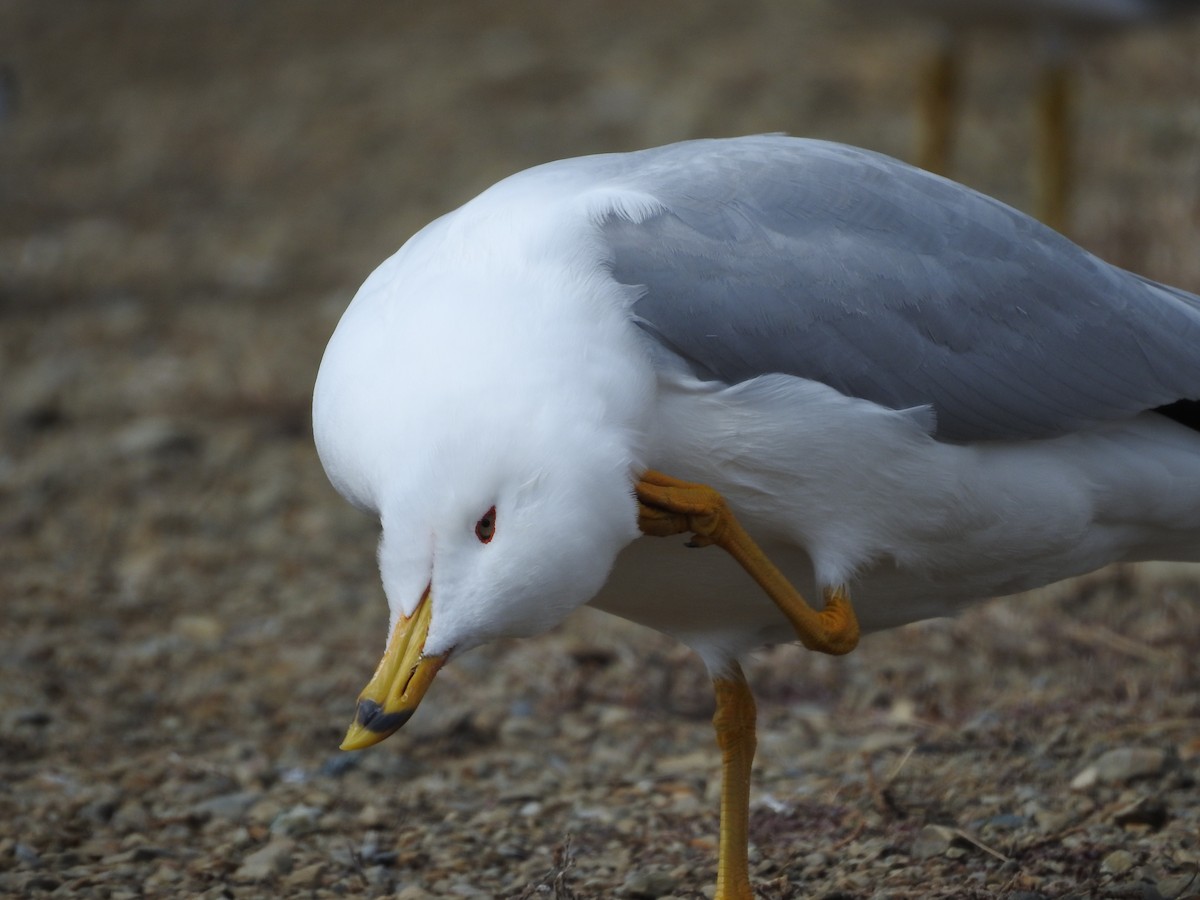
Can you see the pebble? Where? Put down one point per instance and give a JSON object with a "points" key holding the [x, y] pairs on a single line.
{"points": [[1005, 822], [933, 840], [131, 817], [26, 854], [153, 436], [137, 854], [414, 892], [1184, 885], [339, 764], [307, 877], [371, 816], [1146, 812], [204, 630], [380, 878], [648, 884], [697, 762], [163, 875], [226, 806], [297, 821], [273, 859], [1117, 863], [463, 889], [1121, 765]]}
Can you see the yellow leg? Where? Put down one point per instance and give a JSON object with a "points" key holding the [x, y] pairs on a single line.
{"points": [[937, 99], [734, 722], [1054, 145], [668, 506]]}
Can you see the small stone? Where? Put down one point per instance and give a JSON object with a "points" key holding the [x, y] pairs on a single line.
{"points": [[273, 859], [463, 889], [1183, 886], [1148, 812], [136, 855], [933, 840], [226, 806], [648, 884], [26, 854], [154, 436], [414, 892], [131, 817], [1117, 863], [307, 877], [1051, 821], [165, 874], [698, 762], [297, 821], [42, 883], [380, 878], [198, 629], [1006, 822], [339, 764], [1121, 765], [371, 816]]}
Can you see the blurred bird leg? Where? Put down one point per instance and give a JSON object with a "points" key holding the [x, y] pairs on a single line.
{"points": [[937, 99], [1054, 127]]}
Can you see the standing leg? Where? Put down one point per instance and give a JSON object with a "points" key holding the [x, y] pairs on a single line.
{"points": [[734, 722]]}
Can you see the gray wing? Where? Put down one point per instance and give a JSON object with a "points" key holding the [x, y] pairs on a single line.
{"points": [[776, 254]]}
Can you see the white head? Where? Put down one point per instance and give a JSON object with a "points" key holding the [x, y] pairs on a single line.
{"points": [[511, 521], [494, 424]]}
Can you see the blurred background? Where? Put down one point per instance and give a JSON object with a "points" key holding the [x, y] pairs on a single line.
{"points": [[190, 193]]}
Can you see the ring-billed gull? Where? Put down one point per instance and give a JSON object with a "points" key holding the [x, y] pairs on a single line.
{"points": [[910, 396]]}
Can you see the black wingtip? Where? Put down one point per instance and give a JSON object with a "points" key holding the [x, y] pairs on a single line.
{"points": [[1185, 412]]}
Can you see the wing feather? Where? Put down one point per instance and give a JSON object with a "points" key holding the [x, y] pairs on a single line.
{"points": [[776, 254]]}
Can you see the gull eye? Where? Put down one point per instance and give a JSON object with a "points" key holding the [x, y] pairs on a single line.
{"points": [[485, 528]]}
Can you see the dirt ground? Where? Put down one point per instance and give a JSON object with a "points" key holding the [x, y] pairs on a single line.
{"points": [[190, 192]]}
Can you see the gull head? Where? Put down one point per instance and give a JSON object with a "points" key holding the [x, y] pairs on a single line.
{"points": [[493, 425]]}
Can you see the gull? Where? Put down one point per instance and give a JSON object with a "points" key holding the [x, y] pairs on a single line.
{"points": [[1055, 24], [859, 380]]}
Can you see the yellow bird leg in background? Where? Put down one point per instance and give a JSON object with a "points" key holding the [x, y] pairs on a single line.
{"points": [[937, 99], [734, 722], [1054, 145], [668, 506]]}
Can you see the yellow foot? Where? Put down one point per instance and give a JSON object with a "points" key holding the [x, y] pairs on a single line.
{"points": [[668, 506]]}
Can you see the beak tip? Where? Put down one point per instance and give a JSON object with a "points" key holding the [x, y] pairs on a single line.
{"points": [[371, 716], [372, 724]]}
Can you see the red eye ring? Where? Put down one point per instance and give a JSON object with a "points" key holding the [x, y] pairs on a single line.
{"points": [[485, 528]]}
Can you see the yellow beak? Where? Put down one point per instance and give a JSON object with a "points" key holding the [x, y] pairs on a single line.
{"points": [[399, 683]]}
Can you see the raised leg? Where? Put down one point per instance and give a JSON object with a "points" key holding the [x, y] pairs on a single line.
{"points": [[734, 722], [668, 506]]}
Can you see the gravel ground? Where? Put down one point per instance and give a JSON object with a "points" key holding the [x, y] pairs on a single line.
{"points": [[190, 191]]}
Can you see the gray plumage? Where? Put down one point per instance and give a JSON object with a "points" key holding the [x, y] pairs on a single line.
{"points": [[776, 254]]}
